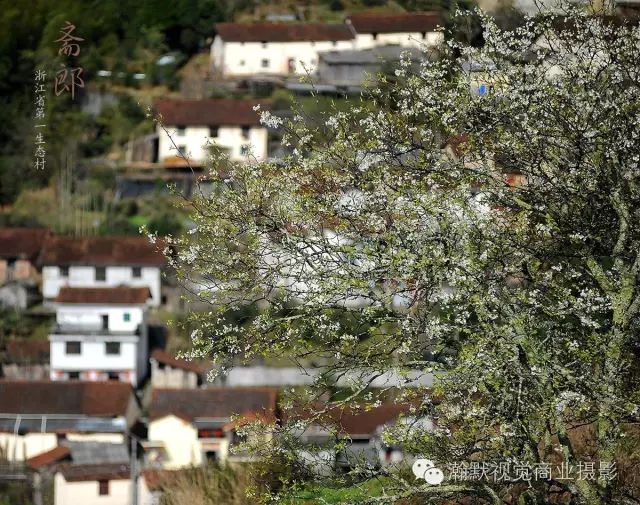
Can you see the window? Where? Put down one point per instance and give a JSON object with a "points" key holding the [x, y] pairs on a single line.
{"points": [[126, 317], [113, 376], [242, 63], [334, 43], [103, 487], [213, 131], [136, 272], [112, 348], [244, 150], [101, 274], [72, 348], [245, 132], [64, 271], [264, 44], [181, 131], [105, 321], [74, 376], [265, 63], [424, 35], [374, 36], [182, 150]]}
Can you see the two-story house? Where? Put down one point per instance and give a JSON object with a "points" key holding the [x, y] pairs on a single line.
{"points": [[242, 49], [35, 416], [410, 29], [188, 427], [98, 262], [100, 334], [194, 125]]}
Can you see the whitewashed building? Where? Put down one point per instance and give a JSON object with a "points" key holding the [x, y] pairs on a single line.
{"points": [[100, 334], [244, 49], [193, 125], [86, 262], [36, 415], [93, 484], [189, 427], [411, 29]]}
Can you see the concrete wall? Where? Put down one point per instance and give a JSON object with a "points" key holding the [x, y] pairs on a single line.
{"points": [[90, 316], [193, 142], [84, 277], [21, 447], [169, 377], [86, 493], [283, 58], [180, 440], [430, 39]]}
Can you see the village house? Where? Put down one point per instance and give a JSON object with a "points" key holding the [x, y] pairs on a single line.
{"points": [[361, 429], [354, 67], [98, 262], [19, 275], [43, 467], [95, 484], [100, 334], [411, 29], [195, 125], [170, 372], [248, 49], [188, 427], [36, 416]]}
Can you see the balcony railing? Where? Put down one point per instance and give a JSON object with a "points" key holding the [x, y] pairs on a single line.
{"points": [[92, 330]]}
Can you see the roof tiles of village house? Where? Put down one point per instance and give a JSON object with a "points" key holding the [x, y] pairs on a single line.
{"points": [[115, 250], [413, 22], [283, 32], [119, 295], [212, 112]]}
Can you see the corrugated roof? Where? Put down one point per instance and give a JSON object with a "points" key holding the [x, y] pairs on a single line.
{"points": [[218, 402], [22, 242], [130, 251], [213, 112], [99, 399], [411, 22], [283, 32], [119, 295]]}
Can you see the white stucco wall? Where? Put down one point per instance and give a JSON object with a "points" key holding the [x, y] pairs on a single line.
{"points": [[194, 142], [403, 39], [86, 493], [21, 447], [84, 277], [90, 316], [246, 58], [180, 439], [93, 354]]}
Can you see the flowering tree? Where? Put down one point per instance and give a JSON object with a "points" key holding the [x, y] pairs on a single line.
{"points": [[475, 219]]}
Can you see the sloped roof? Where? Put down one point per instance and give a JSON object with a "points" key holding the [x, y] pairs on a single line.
{"points": [[98, 399], [218, 403], [115, 250], [352, 421], [283, 32], [47, 458], [183, 364], [101, 471], [410, 22], [212, 112], [22, 242], [119, 295]]}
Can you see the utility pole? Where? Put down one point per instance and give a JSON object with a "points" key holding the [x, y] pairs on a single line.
{"points": [[133, 468]]}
